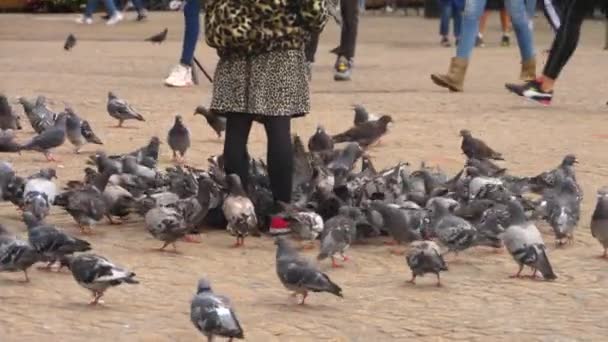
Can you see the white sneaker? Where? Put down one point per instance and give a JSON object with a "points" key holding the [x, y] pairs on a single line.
{"points": [[85, 20], [180, 76], [115, 19]]}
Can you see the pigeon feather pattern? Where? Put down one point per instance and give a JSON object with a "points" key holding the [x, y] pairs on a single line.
{"points": [[121, 110], [213, 315]]}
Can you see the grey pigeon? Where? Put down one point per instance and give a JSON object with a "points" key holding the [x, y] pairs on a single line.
{"points": [[304, 225], [121, 110], [130, 166], [16, 255], [338, 233], [216, 122], [51, 138], [365, 134], [51, 243], [70, 42], [524, 242], [97, 274], [78, 131], [486, 167], [39, 116], [320, 141], [302, 168], [403, 225], [159, 37], [453, 232], [477, 148], [345, 160], [167, 225], [178, 138], [119, 201], [599, 220], [563, 209], [425, 257], [362, 115], [239, 211], [8, 118], [37, 203], [8, 143], [299, 275], [553, 178], [213, 314], [148, 152]]}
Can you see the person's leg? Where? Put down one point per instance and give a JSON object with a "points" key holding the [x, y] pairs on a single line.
{"points": [[279, 157], [140, 8], [110, 7], [483, 22], [505, 25], [444, 22], [181, 74], [457, 17], [310, 50], [236, 158], [454, 79], [525, 40], [348, 39]]}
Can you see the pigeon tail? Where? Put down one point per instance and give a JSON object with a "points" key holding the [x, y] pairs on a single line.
{"points": [[544, 266]]}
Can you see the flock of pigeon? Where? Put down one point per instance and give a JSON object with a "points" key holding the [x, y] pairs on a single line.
{"points": [[333, 201]]}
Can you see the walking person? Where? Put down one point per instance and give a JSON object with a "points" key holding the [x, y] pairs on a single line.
{"points": [[261, 76], [450, 9], [505, 23], [454, 79], [348, 40], [181, 74], [114, 14], [564, 45]]}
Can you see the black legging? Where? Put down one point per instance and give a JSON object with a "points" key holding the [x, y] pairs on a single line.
{"points": [[350, 22], [566, 39], [279, 154]]}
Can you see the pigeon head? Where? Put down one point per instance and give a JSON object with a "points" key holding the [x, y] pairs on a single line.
{"points": [[516, 211], [154, 142], [602, 193], [201, 110], [235, 187], [111, 95], [48, 173], [569, 160], [386, 119], [203, 286], [178, 120], [320, 129], [465, 133], [30, 219]]}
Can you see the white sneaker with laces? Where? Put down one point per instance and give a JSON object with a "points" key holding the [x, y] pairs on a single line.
{"points": [[115, 19], [85, 20], [180, 76]]}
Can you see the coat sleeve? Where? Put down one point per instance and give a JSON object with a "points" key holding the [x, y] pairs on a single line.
{"points": [[314, 14]]}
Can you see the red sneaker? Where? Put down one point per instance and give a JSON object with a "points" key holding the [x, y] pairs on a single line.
{"points": [[279, 226]]}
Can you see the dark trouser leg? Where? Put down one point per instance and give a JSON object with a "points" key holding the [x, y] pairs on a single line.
{"points": [[279, 157], [566, 40], [311, 47], [236, 158], [350, 22]]}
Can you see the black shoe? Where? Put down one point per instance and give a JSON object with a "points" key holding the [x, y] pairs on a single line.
{"points": [[531, 90], [505, 41], [479, 42], [445, 42]]}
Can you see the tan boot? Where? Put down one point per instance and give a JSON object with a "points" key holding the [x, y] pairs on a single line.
{"points": [[454, 80], [528, 70]]}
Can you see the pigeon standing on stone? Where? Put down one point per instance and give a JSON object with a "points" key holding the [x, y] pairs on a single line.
{"points": [[563, 210], [425, 257], [213, 314], [524, 242], [70, 42], [320, 141], [97, 274], [299, 275], [78, 131], [16, 255], [159, 37], [599, 220], [454, 232], [178, 139], [338, 234], [49, 139], [239, 211], [8, 118], [120, 110], [216, 122], [167, 225], [476, 148], [365, 134]]}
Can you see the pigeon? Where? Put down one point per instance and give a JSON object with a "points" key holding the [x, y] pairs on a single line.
{"points": [[425, 257], [299, 275], [486, 167], [525, 244], [148, 152], [37, 203], [16, 255], [552, 179], [97, 274], [78, 131], [362, 115], [563, 210], [216, 122], [8, 143], [304, 225], [454, 232], [345, 160], [42, 183], [159, 37], [365, 134], [338, 235], [39, 116], [119, 201], [178, 138], [599, 220], [120, 110], [320, 141], [475, 148], [403, 225], [49, 139], [8, 118], [239, 211], [130, 166], [167, 225], [213, 314], [70, 42], [51, 243]]}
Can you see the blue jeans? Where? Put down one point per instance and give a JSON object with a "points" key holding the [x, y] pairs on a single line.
{"points": [[92, 6], [361, 5], [519, 17], [191, 16], [450, 9]]}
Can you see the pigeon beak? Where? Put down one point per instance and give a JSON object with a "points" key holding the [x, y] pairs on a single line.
{"points": [[575, 161]]}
